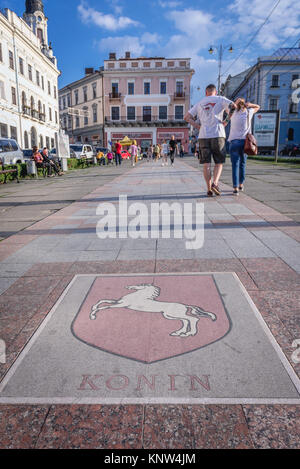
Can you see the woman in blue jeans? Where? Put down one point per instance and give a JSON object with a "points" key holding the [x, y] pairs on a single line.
{"points": [[240, 127]]}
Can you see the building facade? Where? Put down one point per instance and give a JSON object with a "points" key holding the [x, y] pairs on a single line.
{"points": [[146, 99], [272, 83], [81, 108], [28, 78]]}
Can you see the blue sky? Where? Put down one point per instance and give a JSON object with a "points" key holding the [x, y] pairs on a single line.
{"points": [[83, 32]]}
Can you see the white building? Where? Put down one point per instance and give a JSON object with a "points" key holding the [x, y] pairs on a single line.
{"points": [[28, 78]]}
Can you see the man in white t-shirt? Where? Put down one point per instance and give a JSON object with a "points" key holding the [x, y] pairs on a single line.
{"points": [[212, 138]]}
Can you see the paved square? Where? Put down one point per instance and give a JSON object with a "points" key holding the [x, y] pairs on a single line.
{"points": [[152, 338]]}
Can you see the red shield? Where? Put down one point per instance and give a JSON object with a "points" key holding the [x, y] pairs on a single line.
{"points": [[147, 336]]}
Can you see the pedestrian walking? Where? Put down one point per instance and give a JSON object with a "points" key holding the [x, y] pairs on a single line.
{"points": [[212, 136], [156, 152], [134, 151], [173, 149], [118, 153], [240, 127], [149, 154], [165, 151], [181, 150]]}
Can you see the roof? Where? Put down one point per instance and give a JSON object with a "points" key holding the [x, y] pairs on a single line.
{"points": [[289, 53]]}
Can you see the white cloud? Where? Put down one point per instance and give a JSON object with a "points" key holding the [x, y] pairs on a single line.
{"points": [[122, 44], [112, 23], [283, 25], [169, 4]]}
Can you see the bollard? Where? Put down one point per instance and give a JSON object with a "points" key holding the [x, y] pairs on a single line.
{"points": [[64, 164], [31, 168]]}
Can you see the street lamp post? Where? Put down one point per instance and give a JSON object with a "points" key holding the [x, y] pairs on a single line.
{"points": [[221, 50]]}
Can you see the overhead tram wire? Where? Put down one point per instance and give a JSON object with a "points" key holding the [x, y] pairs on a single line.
{"points": [[253, 37]]}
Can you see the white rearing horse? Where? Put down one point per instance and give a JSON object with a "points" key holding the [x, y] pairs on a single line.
{"points": [[144, 299]]}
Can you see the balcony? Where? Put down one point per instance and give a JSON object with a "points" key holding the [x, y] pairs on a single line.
{"points": [[179, 95], [42, 117], [34, 113], [114, 96], [146, 121], [26, 110]]}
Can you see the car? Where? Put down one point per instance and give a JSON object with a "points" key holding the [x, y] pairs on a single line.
{"points": [[53, 153], [10, 152], [27, 154], [125, 155], [82, 150]]}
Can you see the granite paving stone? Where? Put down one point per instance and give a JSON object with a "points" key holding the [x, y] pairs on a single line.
{"points": [[248, 237]]}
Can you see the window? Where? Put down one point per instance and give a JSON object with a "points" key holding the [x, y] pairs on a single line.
{"points": [[69, 100], [41, 141], [40, 34], [21, 65], [130, 88], [86, 117], [147, 113], [11, 60], [30, 72], [43, 84], [94, 90], [56, 117], [163, 87], [52, 143], [13, 133], [2, 90], [47, 142], [49, 88], [85, 98], [95, 113], [131, 113], [38, 78], [291, 134], [76, 96], [70, 122], [163, 112], [115, 90], [275, 81], [26, 140], [13, 95], [273, 104], [1, 55], [13, 145], [147, 87], [77, 122], [3, 130], [115, 113], [179, 88], [55, 92], [179, 112], [64, 102], [50, 114]]}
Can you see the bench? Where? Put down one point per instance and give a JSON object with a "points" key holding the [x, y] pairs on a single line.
{"points": [[6, 172]]}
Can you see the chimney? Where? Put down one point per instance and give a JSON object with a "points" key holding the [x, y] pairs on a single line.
{"points": [[112, 56], [89, 71], [127, 55]]}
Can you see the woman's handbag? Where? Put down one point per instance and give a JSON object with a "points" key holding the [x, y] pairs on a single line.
{"points": [[251, 147]]}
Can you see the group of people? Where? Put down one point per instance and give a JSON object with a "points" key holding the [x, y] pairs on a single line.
{"points": [[44, 161], [208, 116], [155, 152]]}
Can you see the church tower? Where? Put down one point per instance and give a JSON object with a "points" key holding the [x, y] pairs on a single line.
{"points": [[34, 16]]}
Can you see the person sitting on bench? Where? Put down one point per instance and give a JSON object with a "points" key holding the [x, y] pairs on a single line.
{"points": [[40, 163], [52, 163]]}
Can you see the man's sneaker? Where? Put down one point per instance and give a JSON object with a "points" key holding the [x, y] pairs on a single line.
{"points": [[210, 194], [216, 189], [241, 188], [235, 192]]}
